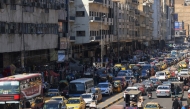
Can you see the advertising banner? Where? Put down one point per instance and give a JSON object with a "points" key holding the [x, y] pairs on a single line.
{"points": [[176, 25]]}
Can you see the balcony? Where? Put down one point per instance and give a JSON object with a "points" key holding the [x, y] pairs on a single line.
{"points": [[135, 2], [72, 38], [96, 1], [137, 24], [95, 19], [151, 19], [137, 12]]}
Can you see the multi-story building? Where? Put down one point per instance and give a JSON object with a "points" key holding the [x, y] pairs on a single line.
{"points": [[159, 16], [92, 20], [182, 10], [146, 22], [28, 31], [170, 20]]}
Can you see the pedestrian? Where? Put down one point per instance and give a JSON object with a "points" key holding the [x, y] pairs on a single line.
{"points": [[180, 102], [176, 104], [184, 106], [140, 104]]}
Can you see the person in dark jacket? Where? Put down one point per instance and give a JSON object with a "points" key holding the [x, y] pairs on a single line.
{"points": [[176, 104]]}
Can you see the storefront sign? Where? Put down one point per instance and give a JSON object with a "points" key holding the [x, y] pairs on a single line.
{"points": [[63, 43]]}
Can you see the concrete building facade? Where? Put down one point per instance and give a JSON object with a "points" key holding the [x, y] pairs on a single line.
{"points": [[29, 30]]}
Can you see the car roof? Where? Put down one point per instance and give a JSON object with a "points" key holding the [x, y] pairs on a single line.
{"points": [[57, 97], [104, 83], [74, 98], [132, 87], [87, 94], [152, 103], [52, 101], [163, 85]]}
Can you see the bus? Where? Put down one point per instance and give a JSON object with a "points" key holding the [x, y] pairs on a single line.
{"points": [[80, 86], [17, 90]]}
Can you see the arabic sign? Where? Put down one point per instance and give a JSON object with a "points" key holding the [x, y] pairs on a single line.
{"points": [[32, 91]]}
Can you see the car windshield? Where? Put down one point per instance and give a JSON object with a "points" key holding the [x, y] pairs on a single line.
{"points": [[59, 99], [76, 87], [121, 74], [52, 94], [103, 75], [154, 80], [162, 74], [151, 106], [131, 89], [128, 78], [73, 101], [183, 63], [163, 87], [94, 91], [52, 106], [183, 74], [86, 96], [38, 101], [184, 70], [102, 85], [52, 90]]}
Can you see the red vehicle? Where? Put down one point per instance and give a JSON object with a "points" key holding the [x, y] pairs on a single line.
{"points": [[141, 88], [17, 90]]}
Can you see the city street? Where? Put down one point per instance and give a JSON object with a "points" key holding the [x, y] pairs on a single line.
{"points": [[164, 101]]}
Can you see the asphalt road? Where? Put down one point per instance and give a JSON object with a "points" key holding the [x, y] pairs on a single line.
{"points": [[166, 102]]}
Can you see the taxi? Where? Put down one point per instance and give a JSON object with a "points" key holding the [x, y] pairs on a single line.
{"points": [[167, 73], [163, 65], [152, 105], [76, 103], [38, 103], [59, 98], [183, 64], [120, 66]]}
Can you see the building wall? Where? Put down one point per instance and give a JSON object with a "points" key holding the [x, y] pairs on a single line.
{"points": [[11, 42], [156, 17]]}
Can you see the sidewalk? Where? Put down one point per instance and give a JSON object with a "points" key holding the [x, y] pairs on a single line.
{"points": [[110, 101]]}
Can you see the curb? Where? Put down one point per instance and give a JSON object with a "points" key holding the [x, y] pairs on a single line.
{"points": [[111, 103]]}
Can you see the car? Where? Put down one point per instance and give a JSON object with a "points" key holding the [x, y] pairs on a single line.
{"points": [[173, 79], [76, 103], [97, 92], [163, 90], [155, 81], [88, 98], [183, 64], [130, 88], [141, 87], [152, 105], [161, 75], [106, 88], [121, 74], [184, 71], [127, 72], [38, 103], [54, 104], [51, 93], [129, 79], [166, 83], [149, 83], [59, 98], [123, 81]]}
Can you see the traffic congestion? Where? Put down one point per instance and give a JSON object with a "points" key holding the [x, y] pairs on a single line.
{"points": [[143, 82]]}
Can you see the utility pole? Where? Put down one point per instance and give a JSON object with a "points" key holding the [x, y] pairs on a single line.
{"points": [[102, 46], [117, 32], [22, 42]]}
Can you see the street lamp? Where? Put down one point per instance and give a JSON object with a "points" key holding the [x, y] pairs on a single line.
{"points": [[102, 46]]}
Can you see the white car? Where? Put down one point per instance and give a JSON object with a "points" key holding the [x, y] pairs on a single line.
{"points": [[128, 89], [163, 90], [161, 75], [184, 71], [87, 97], [106, 88]]}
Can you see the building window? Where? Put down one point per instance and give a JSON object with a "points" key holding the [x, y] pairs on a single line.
{"points": [[90, 13], [13, 4], [80, 13], [81, 33]]}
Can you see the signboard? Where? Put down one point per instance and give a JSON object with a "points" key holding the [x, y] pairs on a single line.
{"points": [[176, 25], [63, 43], [61, 56]]}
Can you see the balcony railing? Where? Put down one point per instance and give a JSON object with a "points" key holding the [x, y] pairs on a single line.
{"points": [[95, 18], [96, 1]]}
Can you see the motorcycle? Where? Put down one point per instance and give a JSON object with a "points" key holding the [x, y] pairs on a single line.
{"points": [[149, 95]]}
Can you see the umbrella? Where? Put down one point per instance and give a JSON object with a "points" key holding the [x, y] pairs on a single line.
{"points": [[64, 81]]}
